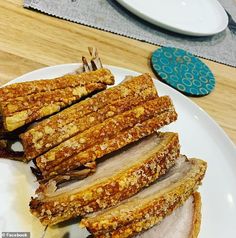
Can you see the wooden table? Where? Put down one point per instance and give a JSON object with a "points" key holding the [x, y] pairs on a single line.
{"points": [[30, 40]]}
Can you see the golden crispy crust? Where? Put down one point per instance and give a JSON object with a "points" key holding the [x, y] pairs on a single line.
{"points": [[51, 132], [99, 140], [196, 216], [13, 91], [110, 190], [120, 140], [138, 214], [23, 103]]}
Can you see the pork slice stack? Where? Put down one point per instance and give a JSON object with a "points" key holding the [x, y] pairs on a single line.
{"points": [[132, 177]]}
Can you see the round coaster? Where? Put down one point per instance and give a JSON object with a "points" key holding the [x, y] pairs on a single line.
{"points": [[183, 71]]}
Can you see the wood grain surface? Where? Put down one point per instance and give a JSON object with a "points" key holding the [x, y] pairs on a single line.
{"points": [[31, 40]]}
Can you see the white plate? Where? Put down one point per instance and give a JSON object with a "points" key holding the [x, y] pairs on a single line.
{"points": [[200, 137], [189, 17]]}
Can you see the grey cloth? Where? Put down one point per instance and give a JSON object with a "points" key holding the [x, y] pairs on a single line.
{"points": [[108, 15]]}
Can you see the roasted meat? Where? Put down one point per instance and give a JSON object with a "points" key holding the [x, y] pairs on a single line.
{"points": [[107, 136], [151, 205], [118, 177], [23, 103], [184, 222], [85, 114]]}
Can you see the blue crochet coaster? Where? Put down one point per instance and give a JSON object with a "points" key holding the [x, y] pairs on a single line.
{"points": [[183, 71]]}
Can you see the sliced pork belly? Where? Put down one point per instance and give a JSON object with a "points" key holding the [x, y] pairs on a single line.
{"points": [[119, 177], [151, 205], [184, 222]]}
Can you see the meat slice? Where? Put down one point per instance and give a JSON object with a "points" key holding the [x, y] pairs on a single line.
{"points": [[184, 222], [120, 176], [151, 205], [23, 103]]}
